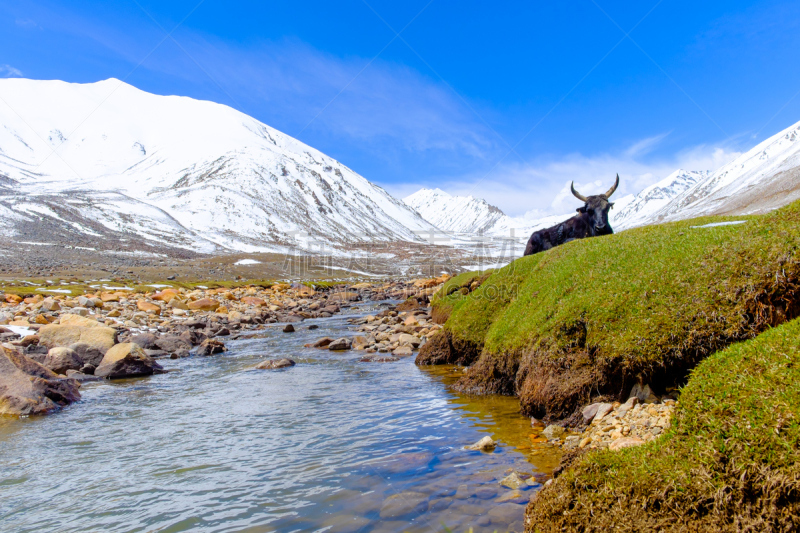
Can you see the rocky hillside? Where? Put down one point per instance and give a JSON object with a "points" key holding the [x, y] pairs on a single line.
{"points": [[101, 162]]}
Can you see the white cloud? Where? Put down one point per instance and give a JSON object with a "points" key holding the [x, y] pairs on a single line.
{"points": [[542, 188], [26, 23], [7, 71]]}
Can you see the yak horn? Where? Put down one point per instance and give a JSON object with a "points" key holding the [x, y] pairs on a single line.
{"points": [[614, 188], [576, 193]]}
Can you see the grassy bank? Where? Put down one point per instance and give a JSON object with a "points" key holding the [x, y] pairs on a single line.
{"points": [[590, 318], [730, 462]]}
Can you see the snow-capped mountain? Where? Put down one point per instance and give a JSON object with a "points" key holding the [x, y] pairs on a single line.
{"points": [[766, 177], [458, 214], [105, 159], [637, 210]]}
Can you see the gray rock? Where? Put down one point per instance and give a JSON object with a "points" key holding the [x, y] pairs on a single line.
{"points": [[28, 388], [146, 341]]}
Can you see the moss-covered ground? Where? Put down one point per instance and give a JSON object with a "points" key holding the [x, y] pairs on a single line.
{"points": [[730, 462], [593, 316]]}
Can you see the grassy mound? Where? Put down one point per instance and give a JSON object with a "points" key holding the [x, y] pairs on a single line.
{"points": [[593, 316], [730, 462]]}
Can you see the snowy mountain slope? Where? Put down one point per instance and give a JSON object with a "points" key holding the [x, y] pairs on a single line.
{"points": [[459, 214], [466, 215], [203, 174], [766, 177], [637, 210]]}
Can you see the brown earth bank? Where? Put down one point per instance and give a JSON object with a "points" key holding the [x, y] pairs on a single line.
{"points": [[735, 288]]}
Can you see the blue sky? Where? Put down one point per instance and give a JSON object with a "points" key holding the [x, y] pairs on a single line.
{"points": [[507, 101]]}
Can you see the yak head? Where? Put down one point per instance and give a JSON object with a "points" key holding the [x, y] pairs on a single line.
{"points": [[596, 207]]}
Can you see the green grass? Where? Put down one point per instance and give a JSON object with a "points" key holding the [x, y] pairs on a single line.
{"points": [[731, 460], [591, 316]]}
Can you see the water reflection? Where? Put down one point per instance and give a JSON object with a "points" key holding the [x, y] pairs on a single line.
{"points": [[331, 444]]}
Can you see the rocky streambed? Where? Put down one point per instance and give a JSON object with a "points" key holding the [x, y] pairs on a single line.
{"points": [[167, 422]]}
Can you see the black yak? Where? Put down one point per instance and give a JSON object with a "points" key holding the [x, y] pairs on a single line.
{"points": [[591, 221]]}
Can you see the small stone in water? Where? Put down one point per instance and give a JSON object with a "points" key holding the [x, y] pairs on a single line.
{"points": [[513, 481], [553, 431], [288, 328], [485, 444], [272, 364]]}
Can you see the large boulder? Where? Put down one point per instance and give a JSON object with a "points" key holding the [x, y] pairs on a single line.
{"points": [[127, 360], [99, 337], [28, 388], [61, 359], [79, 321]]}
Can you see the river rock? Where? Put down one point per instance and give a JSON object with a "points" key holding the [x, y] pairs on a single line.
{"points": [[340, 344], [211, 347], [61, 359], [28, 388], [485, 444], [126, 360], [404, 503], [513, 481], [204, 304], [88, 354], [96, 336], [403, 351], [148, 307], [272, 364], [553, 431], [177, 304], [589, 411], [288, 328], [146, 341], [172, 343], [79, 321], [602, 410]]}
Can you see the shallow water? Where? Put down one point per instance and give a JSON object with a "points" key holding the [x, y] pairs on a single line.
{"points": [[331, 444]]}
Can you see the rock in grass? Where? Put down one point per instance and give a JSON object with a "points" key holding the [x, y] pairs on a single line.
{"points": [[273, 364], [625, 442], [485, 444], [28, 388], [126, 360]]}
